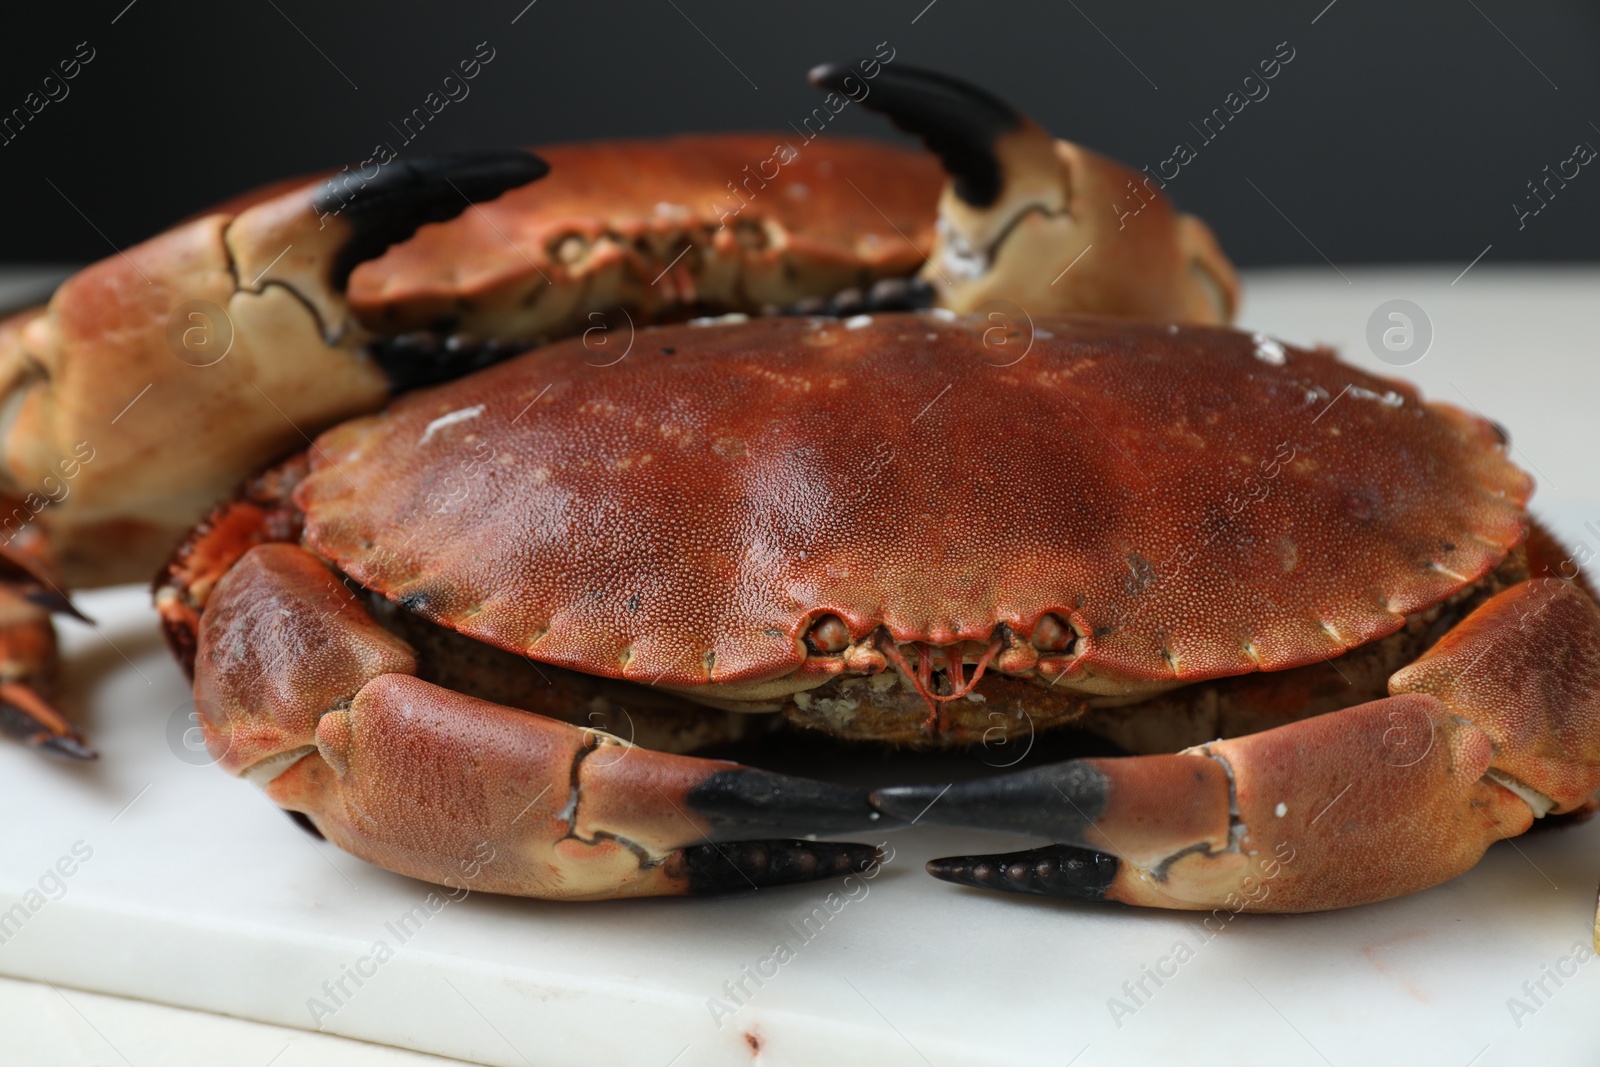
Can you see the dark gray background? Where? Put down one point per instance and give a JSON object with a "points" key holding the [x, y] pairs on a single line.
{"points": [[1397, 133]]}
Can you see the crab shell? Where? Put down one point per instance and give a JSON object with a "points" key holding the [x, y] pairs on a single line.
{"points": [[1192, 502]]}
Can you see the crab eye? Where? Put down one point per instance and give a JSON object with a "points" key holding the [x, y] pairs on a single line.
{"points": [[1052, 634], [570, 248], [828, 635]]}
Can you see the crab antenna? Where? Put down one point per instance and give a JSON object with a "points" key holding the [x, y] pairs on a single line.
{"points": [[958, 121]]}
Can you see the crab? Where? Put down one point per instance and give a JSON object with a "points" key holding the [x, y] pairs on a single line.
{"points": [[289, 309], [1311, 603]]}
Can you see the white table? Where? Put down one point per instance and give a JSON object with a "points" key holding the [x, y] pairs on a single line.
{"points": [[201, 895]]}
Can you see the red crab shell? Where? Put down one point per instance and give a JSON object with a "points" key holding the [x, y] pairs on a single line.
{"points": [[1197, 502]]}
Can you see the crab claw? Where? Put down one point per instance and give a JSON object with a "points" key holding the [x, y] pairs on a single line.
{"points": [[1041, 223], [426, 781], [1140, 811], [409, 194], [963, 125], [236, 318], [302, 692], [1497, 725], [356, 218]]}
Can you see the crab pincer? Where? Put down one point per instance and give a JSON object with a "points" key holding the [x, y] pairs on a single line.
{"points": [[1486, 732], [1023, 209], [301, 692]]}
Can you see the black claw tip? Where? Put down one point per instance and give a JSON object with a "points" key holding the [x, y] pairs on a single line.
{"points": [[409, 193], [42, 732], [1059, 800], [958, 121], [1053, 871], [907, 802], [30, 580], [72, 748], [743, 865], [750, 803], [53, 600]]}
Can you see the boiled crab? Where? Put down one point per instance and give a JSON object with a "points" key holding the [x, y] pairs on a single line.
{"points": [[189, 361], [878, 529]]}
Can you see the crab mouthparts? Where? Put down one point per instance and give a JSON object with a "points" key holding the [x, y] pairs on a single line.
{"points": [[948, 659]]}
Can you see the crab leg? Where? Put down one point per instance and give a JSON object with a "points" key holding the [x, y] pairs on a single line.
{"points": [[303, 693], [28, 675], [1022, 209], [1497, 725], [29, 578], [30, 589]]}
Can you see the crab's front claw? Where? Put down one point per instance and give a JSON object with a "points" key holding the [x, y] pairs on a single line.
{"points": [[312, 241], [231, 328], [302, 692], [1041, 223], [456, 790], [1300, 818], [1496, 725]]}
